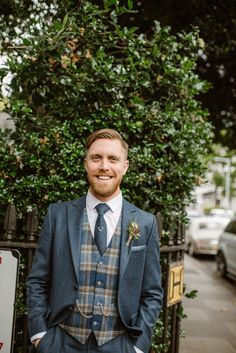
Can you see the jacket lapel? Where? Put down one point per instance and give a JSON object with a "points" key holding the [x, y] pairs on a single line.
{"points": [[74, 216], [128, 215]]}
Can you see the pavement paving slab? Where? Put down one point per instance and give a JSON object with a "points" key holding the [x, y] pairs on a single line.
{"points": [[207, 345], [210, 326]]}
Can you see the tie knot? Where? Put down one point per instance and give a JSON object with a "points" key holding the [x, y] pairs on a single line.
{"points": [[102, 208]]}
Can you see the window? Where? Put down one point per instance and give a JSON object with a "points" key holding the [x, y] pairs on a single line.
{"points": [[231, 227]]}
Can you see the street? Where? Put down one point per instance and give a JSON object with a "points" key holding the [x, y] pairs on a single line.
{"points": [[210, 326]]}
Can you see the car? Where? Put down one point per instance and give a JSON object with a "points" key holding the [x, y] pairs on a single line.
{"points": [[202, 234], [221, 212], [193, 213], [226, 255]]}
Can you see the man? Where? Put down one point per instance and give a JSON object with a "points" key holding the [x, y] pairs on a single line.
{"points": [[95, 283]]}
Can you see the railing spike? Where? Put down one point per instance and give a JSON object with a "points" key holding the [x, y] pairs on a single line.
{"points": [[10, 222], [159, 224], [32, 225]]}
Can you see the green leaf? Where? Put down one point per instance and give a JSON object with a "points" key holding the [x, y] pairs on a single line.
{"points": [[65, 21], [192, 294], [130, 4]]}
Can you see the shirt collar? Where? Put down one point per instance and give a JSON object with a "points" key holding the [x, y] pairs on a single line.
{"points": [[114, 203]]}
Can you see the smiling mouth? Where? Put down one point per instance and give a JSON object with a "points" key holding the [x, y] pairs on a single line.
{"points": [[104, 177]]}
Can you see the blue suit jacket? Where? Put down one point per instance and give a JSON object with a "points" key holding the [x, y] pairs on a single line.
{"points": [[53, 281]]}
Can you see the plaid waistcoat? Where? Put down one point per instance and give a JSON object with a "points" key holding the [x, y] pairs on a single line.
{"points": [[96, 306]]}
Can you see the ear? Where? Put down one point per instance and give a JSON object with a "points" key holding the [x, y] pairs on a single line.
{"points": [[126, 167], [85, 164]]}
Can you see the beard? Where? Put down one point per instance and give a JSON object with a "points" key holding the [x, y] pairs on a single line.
{"points": [[104, 190]]}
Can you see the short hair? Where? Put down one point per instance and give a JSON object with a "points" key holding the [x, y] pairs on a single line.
{"points": [[106, 134]]}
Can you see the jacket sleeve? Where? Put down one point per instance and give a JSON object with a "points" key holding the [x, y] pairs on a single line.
{"points": [[39, 279], [152, 292]]}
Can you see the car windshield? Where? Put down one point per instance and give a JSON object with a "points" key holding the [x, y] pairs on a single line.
{"points": [[231, 227]]}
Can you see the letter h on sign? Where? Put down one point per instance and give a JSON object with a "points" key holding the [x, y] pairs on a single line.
{"points": [[175, 283]]}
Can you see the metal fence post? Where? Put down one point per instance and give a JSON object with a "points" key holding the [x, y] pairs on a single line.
{"points": [[10, 222]]}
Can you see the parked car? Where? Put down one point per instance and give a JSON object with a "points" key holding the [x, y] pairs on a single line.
{"points": [[203, 233], [222, 212], [226, 255], [193, 214]]}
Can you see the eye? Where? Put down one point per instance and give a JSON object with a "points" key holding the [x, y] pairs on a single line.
{"points": [[114, 159], [95, 158]]}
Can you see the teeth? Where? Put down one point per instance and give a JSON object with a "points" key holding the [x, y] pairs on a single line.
{"points": [[104, 177]]}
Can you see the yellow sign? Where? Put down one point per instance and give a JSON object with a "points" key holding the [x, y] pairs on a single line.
{"points": [[175, 283]]}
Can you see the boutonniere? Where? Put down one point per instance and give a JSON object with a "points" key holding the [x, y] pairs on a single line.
{"points": [[133, 232]]}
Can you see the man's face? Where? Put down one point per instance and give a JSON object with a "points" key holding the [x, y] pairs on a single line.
{"points": [[105, 164]]}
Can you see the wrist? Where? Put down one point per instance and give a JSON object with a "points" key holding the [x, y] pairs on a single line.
{"points": [[36, 341]]}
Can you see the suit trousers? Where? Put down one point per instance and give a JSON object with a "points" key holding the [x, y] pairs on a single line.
{"points": [[57, 340]]}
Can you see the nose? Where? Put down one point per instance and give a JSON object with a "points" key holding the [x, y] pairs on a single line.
{"points": [[104, 165]]}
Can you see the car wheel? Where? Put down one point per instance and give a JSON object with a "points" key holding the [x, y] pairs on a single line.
{"points": [[191, 249], [221, 266]]}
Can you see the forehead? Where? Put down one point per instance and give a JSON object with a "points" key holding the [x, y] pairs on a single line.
{"points": [[106, 146]]}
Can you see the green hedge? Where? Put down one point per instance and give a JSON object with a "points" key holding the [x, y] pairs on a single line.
{"points": [[88, 72]]}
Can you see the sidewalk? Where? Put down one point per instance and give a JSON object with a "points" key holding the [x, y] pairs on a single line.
{"points": [[211, 317]]}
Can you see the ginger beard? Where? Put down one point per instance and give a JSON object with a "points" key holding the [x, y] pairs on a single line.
{"points": [[105, 165], [104, 188]]}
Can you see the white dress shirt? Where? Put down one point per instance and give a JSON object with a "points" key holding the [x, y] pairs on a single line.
{"points": [[111, 217]]}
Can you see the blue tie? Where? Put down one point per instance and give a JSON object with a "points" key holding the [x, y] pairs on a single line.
{"points": [[100, 231]]}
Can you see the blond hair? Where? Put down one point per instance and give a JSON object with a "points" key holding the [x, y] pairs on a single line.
{"points": [[106, 134]]}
